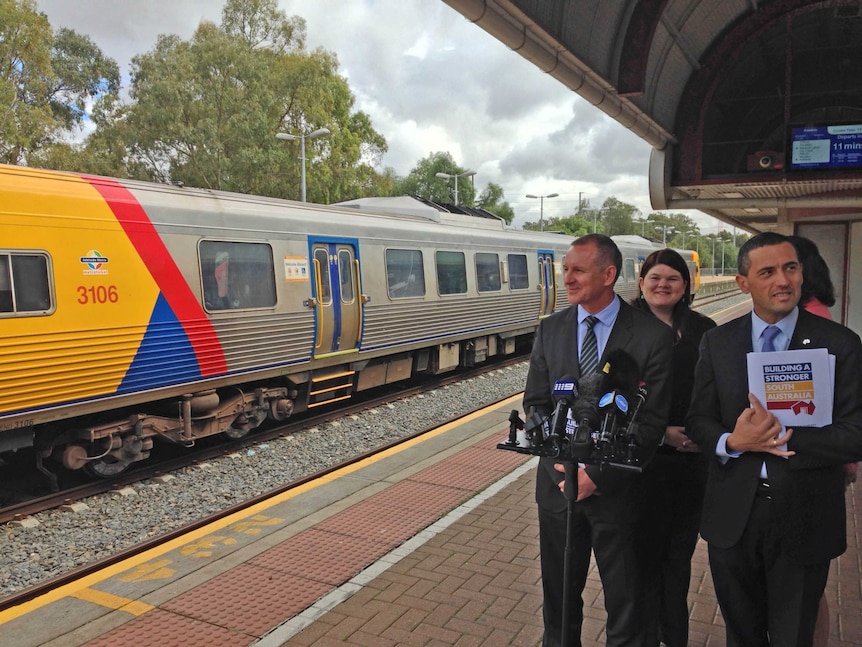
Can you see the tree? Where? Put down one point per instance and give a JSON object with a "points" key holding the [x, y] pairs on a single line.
{"points": [[491, 199], [205, 112], [422, 181], [618, 217], [574, 226], [46, 81]]}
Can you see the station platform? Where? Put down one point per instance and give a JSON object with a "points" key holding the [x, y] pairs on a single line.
{"points": [[433, 543]]}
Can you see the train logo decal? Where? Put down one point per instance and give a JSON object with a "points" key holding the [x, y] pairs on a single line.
{"points": [[94, 261]]}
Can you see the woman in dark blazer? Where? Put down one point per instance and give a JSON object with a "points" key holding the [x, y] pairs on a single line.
{"points": [[675, 480]]}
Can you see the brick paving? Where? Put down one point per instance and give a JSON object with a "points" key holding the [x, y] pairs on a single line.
{"points": [[478, 583], [441, 549]]}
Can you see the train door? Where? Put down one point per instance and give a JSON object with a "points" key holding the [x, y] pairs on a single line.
{"points": [[547, 283], [338, 301]]}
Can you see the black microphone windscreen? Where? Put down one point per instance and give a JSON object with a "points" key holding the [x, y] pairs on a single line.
{"points": [[590, 388], [621, 372]]}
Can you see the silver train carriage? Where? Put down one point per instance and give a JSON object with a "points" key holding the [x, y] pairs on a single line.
{"points": [[132, 311]]}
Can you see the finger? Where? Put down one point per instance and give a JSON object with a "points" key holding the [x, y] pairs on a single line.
{"points": [[783, 453], [560, 467], [755, 403], [783, 438]]}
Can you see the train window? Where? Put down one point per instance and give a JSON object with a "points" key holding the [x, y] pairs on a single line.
{"points": [[405, 273], [451, 272], [237, 275], [518, 277], [322, 257], [487, 272], [629, 273], [24, 284], [345, 274]]}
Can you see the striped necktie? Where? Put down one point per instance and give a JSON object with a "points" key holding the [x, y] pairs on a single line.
{"points": [[768, 336], [589, 349]]}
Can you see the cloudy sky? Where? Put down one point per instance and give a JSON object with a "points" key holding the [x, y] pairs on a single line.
{"points": [[430, 81]]}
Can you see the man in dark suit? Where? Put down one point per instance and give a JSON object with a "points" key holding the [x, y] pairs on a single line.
{"points": [[774, 508], [604, 514]]}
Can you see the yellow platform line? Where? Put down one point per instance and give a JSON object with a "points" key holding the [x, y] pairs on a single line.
{"points": [[72, 588], [112, 601]]}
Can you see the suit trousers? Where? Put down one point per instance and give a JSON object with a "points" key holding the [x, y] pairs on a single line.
{"points": [[755, 571], [612, 541], [673, 485]]}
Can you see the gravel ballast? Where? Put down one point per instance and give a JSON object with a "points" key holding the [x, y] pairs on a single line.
{"points": [[65, 539]]}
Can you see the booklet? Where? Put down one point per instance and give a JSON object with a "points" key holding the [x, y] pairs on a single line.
{"points": [[795, 385]]}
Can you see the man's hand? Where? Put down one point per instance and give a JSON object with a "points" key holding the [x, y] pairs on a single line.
{"points": [[675, 437], [757, 430], [586, 485]]}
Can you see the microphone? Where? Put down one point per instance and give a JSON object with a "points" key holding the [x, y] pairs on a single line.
{"points": [[620, 384], [615, 408], [622, 373], [586, 415], [564, 392], [640, 398]]}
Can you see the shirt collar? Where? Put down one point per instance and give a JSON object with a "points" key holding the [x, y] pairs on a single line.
{"points": [[607, 316], [786, 326]]}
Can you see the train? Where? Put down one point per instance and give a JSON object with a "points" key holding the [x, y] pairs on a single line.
{"points": [[132, 312]]}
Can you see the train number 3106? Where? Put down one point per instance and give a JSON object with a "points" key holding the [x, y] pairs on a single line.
{"points": [[97, 294]]}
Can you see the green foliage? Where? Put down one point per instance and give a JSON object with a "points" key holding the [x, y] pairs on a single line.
{"points": [[423, 182], [617, 217], [205, 112], [491, 199], [46, 81], [573, 226]]}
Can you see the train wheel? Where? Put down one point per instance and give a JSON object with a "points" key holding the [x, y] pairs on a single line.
{"points": [[105, 467], [235, 434]]}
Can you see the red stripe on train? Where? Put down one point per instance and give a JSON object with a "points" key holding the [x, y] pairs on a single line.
{"points": [[146, 240]]}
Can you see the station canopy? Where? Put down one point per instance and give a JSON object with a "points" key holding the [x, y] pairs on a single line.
{"points": [[753, 107]]}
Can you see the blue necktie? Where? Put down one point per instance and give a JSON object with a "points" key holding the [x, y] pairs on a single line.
{"points": [[589, 349], [768, 336]]}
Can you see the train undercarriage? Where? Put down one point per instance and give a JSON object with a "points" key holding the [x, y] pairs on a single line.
{"points": [[105, 445]]}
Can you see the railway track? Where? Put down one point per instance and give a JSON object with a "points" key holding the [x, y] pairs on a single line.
{"points": [[215, 448], [82, 571]]}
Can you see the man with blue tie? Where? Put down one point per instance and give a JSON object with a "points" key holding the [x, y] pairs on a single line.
{"points": [[773, 511], [574, 342]]}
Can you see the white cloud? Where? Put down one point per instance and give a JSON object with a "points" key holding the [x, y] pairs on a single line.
{"points": [[430, 81]]}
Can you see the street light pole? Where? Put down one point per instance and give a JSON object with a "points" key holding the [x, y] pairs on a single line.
{"points": [[320, 132], [713, 256], [542, 207], [448, 176]]}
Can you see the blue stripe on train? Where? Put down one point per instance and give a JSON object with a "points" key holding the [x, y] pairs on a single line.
{"points": [[165, 355]]}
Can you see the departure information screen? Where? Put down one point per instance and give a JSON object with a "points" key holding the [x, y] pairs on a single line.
{"points": [[826, 147]]}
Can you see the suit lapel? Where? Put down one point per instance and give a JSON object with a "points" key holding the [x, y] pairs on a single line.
{"points": [[620, 332], [805, 334]]}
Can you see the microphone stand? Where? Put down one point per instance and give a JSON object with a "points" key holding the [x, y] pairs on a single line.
{"points": [[570, 491]]}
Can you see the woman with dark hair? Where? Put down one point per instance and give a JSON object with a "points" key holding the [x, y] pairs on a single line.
{"points": [[675, 479], [818, 295]]}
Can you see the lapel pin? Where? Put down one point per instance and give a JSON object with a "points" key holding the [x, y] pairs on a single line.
{"points": [[805, 342]]}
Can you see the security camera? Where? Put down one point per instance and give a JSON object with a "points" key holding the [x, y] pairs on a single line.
{"points": [[765, 161]]}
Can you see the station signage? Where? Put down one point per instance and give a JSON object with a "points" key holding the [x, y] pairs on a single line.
{"points": [[826, 147]]}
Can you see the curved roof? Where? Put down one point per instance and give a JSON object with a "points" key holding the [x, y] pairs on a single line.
{"points": [[713, 85]]}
